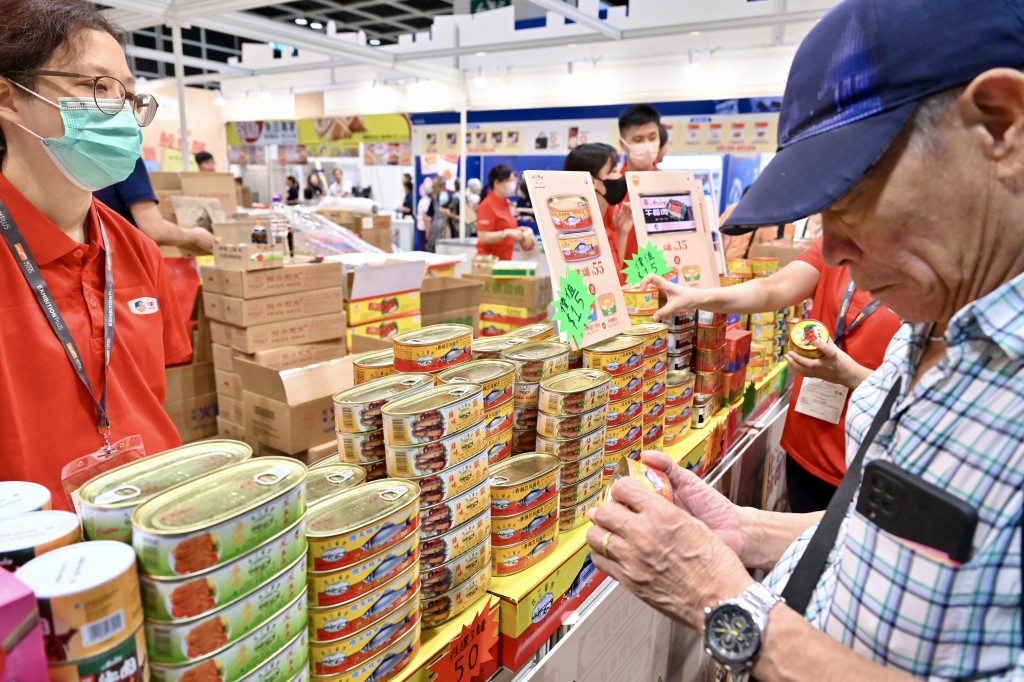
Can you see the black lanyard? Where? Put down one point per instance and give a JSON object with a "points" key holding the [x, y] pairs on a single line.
{"points": [[841, 330], [30, 269]]}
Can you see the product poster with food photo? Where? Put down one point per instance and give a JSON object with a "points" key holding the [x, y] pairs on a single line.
{"points": [[588, 299], [669, 213]]}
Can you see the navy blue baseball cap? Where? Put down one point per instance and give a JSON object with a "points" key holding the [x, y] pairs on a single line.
{"points": [[855, 82]]}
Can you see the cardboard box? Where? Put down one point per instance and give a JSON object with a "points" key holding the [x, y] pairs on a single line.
{"points": [[299, 356], [25, 653], [385, 329], [786, 250], [280, 334], [365, 344], [377, 292], [229, 429], [224, 357], [443, 294], [318, 452], [189, 381], [228, 384], [292, 410], [737, 349], [466, 316], [383, 308], [249, 256], [230, 407], [237, 231], [220, 186], [246, 312], [195, 418], [496, 312], [525, 292], [165, 204], [340, 216], [292, 278], [376, 230]]}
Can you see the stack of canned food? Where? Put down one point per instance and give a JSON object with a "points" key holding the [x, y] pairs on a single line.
{"points": [[654, 336], [682, 330], [678, 406], [641, 304], [544, 331], [31, 534], [524, 508], [534, 362], [328, 477], [358, 420], [709, 359], [571, 427], [436, 440], [497, 377], [763, 343], [433, 349], [623, 358]]}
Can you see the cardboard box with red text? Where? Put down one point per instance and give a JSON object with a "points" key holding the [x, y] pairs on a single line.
{"points": [[520, 292], [246, 312], [279, 334], [189, 381], [290, 279]]}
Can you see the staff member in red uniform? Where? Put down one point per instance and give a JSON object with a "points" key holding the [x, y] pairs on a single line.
{"points": [[814, 439], [496, 228], [80, 283]]}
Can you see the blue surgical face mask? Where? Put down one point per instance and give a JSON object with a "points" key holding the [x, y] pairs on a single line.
{"points": [[97, 150]]}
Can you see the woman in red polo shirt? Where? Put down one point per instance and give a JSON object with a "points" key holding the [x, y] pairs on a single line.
{"points": [[88, 315], [496, 228]]}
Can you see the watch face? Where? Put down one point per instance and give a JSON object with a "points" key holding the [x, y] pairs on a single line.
{"points": [[732, 634]]}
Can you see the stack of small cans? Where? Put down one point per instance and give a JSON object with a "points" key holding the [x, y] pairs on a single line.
{"points": [[682, 331], [534, 362], [623, 358], [524, 507], [678, 406], [708, 362]]}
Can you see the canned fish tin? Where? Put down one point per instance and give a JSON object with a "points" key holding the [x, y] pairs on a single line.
{"points": [[169, 600], [453, 481], [653, 432], [538, 360], [351, 582], [324, 483], [678, 414], [184, 641], [627, 385], [676, 433], [433, 348], [491, 348], [641, 301], [338, 622], [571, 495], [245, 655], [329, 460], [386, 664], [655, 410], [570, 213], [106, 502], [804, 335], [578, 246], [574, 392], [511, 530], [369, 366], [649, 477], [441, 518], [521, 556], [125, 660], [498, 419], [441, 579], [429, 458], [523, 441], [23, 538], [344, 655], [88, 596], [444, 548], [621, 411], [654, 336], [571, 518], [574, 472], [679, 387], [641, 319], [358, 409], [433, 414], [442, 609], [495, 376], [623, 435], [375, 471], [618, 355], [209, 521], [524, 482], [361, 523], [655, 365], [22, 497], [361, 448], [540, 331], [498, 446], [525, 418], [289, 664], [574, 449], [526, 394], [654, 388]]}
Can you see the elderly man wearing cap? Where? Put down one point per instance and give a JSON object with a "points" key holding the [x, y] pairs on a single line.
{"points": [[912, 148]]}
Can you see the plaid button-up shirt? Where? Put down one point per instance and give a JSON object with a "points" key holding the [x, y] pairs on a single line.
{"points": [[961, 427]]}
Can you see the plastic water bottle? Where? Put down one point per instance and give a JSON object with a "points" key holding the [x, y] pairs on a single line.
{"points": [[278, 221]]}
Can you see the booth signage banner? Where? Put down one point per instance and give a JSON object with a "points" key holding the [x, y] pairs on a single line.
{"points": [[320, 135], [720, 134]]}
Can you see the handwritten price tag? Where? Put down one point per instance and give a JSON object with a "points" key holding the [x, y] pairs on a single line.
{"points": [[470, 650], [649, 260], [573, 307]]}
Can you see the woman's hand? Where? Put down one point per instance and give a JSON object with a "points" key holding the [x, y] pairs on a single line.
{"points": [[677, 298]]}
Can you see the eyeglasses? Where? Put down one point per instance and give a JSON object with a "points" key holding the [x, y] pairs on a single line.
{"points": [[110, 95]]}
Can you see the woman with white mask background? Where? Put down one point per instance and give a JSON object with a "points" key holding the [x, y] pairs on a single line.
{"points": [[496, 227]]}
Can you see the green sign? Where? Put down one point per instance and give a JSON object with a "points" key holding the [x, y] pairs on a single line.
{"points": [[573, 305], [649, 260], [484, 5]]}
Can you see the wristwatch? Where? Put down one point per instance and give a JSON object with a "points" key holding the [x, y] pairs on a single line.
{"points": [[734, 630]]}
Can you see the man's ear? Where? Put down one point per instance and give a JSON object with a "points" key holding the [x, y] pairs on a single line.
{"points": [[993, 106]]}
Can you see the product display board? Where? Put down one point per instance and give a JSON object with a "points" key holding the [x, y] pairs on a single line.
{"points": [[589, 300], [669, 211]]}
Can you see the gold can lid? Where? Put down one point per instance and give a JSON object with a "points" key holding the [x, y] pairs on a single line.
{"points": [[360, 507], [678, 378], [383, 388], [432, 399], [376, 358], [327, 481], [646, 329], [567, 202], [437, 333], [538, 350], [522, 468], [476, 371], [219, 496], [616, 344], [329, 460], [133, 483], [497, 344], [575, 380], [533, 330], [806, 332]]}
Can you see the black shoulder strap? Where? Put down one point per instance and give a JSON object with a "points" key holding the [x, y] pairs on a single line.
{"points": [[811, 565]]}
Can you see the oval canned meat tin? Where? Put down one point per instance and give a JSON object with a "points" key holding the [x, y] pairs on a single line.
{"points": [[329, 460], [521, 556], [538, 360], [679, 387], [360, 523], [525, 418], [540, 331], [571, 518], [570, 213], [209, 521], [654, 336], [361, 448], [106, 502], [618, 355], [386, 664], [343, 655], [337, 587], [573, 449], [511, 530], [492, 348], [574, 392], [428, 458], [523, 441], [88, 596], [22, 497], [526, 394], [343, 620], [375, 471], [495, 376], [369, 366], [571, 495], [23, 538], [433, 348], [325, 482], [498, 418], [499, 446], [450, 604], [289, 664], [169, 600], [624, 435], [126, 658], [523, 483], [451, 482], [441, 549], [436, 581], [358, 409], [621, 411], [441, 518], [434, 414], [574, 472], [571, 425]]}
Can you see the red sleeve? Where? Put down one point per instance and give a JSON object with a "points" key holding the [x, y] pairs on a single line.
{"points": [[812, 256]]}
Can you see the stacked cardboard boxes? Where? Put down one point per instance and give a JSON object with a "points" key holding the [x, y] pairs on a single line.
{"points": [[451, 300], [372, 229], [384, 300], [509, 303]]}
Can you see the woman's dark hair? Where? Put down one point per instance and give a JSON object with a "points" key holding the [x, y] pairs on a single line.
{"points": [[33, 31], [591, 157], [309, 181], [499, 173], [292, 179]]}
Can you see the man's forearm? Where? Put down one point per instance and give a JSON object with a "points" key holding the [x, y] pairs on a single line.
{"points": [[766, 535]]}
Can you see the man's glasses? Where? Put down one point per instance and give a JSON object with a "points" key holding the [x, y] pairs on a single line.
{"points": [[110, 95]]}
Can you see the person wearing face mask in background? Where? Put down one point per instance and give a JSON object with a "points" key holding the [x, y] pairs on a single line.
{"points": [[497, 231], [663, 138], [90, 318], [601, 161]]}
